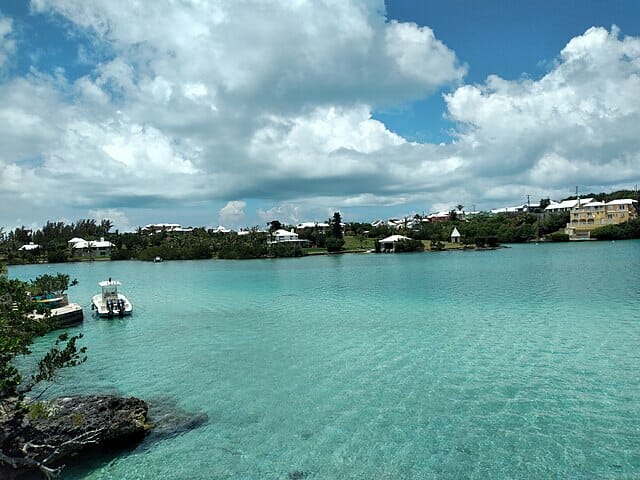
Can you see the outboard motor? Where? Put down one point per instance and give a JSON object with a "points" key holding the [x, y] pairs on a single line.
{"points": [[110, 307], [120, 307]]}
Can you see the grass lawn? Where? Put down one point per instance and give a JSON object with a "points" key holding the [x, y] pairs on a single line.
{"points": [[355, 243]]}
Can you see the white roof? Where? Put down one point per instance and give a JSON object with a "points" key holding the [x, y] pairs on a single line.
{"points": [[622, 201], [76, 240], [283, 233], [101, 244], [393, 239], [455, 232], [312, 225], [593, 204], [221, 229], [568, 203], [438, 215], [514, 209], [29, 246], [93, 244]]}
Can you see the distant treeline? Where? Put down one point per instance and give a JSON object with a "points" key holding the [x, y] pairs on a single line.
{"points": [[480, 229]]}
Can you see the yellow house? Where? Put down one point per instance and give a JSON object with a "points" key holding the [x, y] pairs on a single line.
{"points": [[585, 217]]}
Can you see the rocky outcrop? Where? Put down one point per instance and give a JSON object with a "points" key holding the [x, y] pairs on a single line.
{"points": [[48, 433]]}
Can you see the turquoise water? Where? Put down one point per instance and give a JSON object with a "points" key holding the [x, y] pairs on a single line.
{"points": [[516, 363]]}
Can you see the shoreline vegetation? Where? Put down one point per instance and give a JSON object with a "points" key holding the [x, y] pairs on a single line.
{"points": [[479, 233], [53, 242]]}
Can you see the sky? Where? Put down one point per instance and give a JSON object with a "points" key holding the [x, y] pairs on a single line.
{"points": [[241, 112]]}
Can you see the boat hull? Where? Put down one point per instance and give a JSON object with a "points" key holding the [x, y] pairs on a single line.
{"points": [[119, 307]]}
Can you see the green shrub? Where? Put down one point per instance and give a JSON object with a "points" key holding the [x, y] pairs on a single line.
{"points": [[409, 246], [558, 237], [39, 411]]}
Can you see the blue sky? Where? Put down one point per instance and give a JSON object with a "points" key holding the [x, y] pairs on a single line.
{"points": [[242, 112]]}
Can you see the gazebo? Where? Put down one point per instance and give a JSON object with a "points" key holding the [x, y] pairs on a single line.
{"points": [[389, 244], [455, 236]]}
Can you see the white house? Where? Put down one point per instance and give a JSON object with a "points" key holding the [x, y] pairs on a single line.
{"points": [[91, 248], [389, 244], [281, 236], [29, 247], [221, 229]]}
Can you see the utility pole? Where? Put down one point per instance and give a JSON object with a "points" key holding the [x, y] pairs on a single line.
{"points": [[528, 203]]}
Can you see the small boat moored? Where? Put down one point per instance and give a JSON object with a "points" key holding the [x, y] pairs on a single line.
{"points": [[59, 310], [157, 260], [110, 303]]}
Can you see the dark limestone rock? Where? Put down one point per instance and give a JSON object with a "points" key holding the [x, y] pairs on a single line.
{"points": [[58, 429], [170, 420]]}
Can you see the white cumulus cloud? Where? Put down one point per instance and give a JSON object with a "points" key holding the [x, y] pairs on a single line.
{"points": [[232, 213]]}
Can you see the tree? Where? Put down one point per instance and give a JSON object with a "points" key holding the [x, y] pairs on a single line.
{"points": [[274, 225], [334, 241], [105, 226], [544, 203], [57, 284], [336, 225], [17, 332]]}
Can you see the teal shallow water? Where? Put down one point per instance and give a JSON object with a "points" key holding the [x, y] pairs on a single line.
{"points": [[516, 363]]}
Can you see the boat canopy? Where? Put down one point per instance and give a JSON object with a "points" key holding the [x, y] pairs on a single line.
{"points": [[106, 283]]}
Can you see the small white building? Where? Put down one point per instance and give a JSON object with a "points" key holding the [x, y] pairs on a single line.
{"points": [[29, 247], [221, 229], [455, 236], [91, 248], [389, 244], [281, 236]]}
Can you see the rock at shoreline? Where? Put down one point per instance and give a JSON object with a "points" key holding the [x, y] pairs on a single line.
{"points": [[55, 430]]}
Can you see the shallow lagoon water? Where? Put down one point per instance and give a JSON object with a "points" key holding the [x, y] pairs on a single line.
{"points": [[515, 363]]}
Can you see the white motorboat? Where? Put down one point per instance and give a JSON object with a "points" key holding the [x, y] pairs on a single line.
{"points": [[110, 303]]}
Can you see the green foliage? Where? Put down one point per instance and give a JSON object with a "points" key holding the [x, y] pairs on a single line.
{"points": [[558, 237], [437, 246], [553, 222], [358, 228], [285, 249], [622, 231], [39, 411], [410, 245], [607, 197], [334, 244], [54, 284], [274, 225], [17, 332], [243, 248], [336, 226]]}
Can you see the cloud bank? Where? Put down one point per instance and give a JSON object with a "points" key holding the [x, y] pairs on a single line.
{"points": [[193, 102]]}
